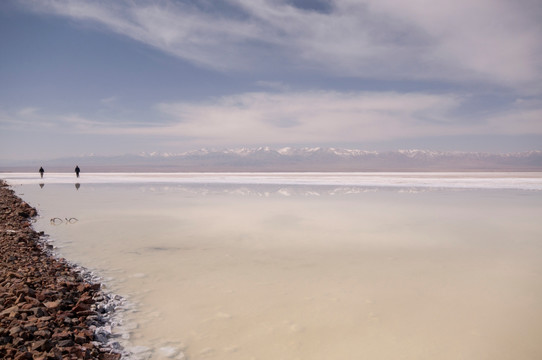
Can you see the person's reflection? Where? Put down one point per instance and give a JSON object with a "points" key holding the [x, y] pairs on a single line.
{"points": [[77, 186], [42, 185]]}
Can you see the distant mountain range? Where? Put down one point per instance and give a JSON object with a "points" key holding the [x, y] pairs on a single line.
{"points": [[298, 159]]}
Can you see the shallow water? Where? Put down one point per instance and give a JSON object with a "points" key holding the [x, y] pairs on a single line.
{"points": [[304, 267]]}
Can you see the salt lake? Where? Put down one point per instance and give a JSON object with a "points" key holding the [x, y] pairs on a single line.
{"points": [[308, 266]]}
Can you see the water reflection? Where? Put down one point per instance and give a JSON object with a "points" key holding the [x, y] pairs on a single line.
{"points": [[42, 185], [77, 186], [228, 272], [256, 190]]}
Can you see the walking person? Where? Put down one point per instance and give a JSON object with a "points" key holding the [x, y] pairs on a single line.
{"points": [[41, 172], [77, 170]]}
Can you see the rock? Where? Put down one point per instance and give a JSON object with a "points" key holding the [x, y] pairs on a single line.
{"points": [[52, 304], [42, 333], [100, 338], [65, 343], [86, 313], [9, 310], [31, 329], [110, 356], [96, 287], [61, 335], [38, 345], [81, 306], [39, 312], [14, 274], [17, 341], [24, 356], [80, 339], [31, 300], [15, 330]]}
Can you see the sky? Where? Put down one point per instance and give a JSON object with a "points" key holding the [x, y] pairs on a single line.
{"points": [[98, 77]]}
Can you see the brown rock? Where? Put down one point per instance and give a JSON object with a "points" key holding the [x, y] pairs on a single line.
{"points": [[81, 306], [43, 319], [19, 299], [13, 274], [42, 333], [65, 343], [109, 356], [89, 334], [52, 304], [27, 306], [80, 339], [15, 330], [10, 310], [17, 341], [32, 300], [61, 335], [85, 298], [38, 345], [86, 313], [24, 356], [13, 314], [39, 312]]}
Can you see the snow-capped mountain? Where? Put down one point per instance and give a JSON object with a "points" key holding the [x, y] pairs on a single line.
{"points": [[307, 159]]}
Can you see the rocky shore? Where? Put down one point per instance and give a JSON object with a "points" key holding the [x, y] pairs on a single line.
{"points": [[48, 309]]}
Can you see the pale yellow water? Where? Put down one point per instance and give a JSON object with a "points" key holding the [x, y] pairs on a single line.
{"points": [[295, 272]]}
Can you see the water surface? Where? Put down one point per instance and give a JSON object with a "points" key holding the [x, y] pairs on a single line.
{"points": [[310, 267]]}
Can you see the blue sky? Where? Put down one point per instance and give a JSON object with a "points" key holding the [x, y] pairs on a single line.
{"points": [[80, 77]]}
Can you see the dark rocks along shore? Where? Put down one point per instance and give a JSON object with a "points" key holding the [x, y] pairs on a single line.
{"points": [[47, 307]]}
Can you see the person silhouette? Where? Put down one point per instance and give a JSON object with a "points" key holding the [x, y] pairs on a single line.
{"points": [[41, 172], [77, 170]]}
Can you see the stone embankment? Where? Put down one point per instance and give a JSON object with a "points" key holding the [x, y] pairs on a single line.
{"points": [[48, 310]]}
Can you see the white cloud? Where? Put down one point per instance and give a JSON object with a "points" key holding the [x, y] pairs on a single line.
{"points": [[485, 38], [27, 112], [333, 117], [271, 118], [525, 117], [495, 41], [326, 117]]}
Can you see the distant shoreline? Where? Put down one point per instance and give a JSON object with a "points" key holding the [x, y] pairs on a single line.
{"points": [[129, 170], [362, 180]]}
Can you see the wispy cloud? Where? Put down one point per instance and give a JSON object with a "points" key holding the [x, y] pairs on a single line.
{"points": [[524, 117], [277, 118], [493, 41], [332, 117], [34, 119], [108, 100], [27, 112]]}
